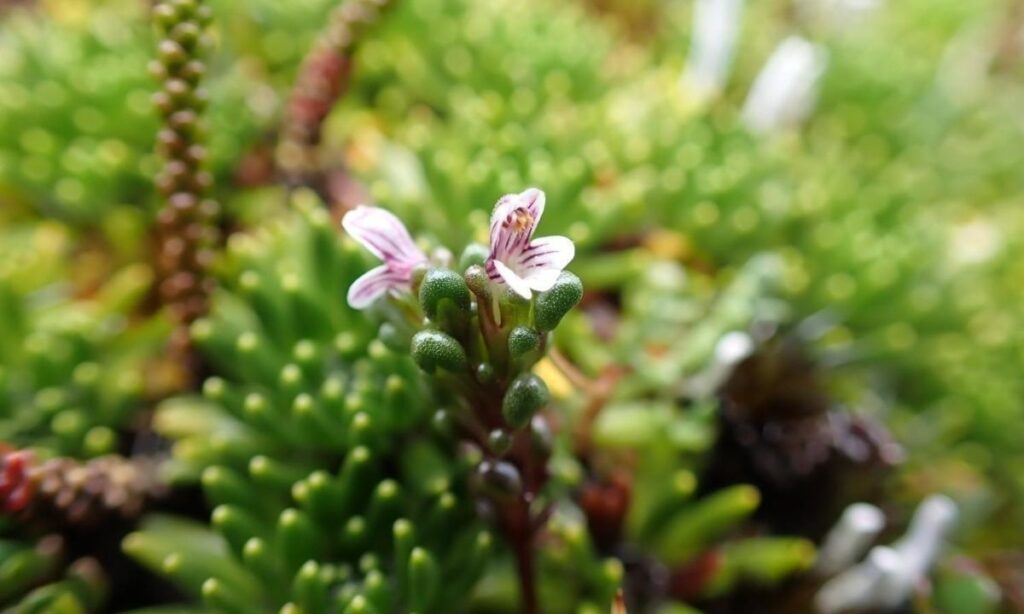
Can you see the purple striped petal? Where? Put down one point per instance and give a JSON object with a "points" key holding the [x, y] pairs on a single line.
{"points": [[543, 260], [379, 231], [510, 277], [375, 283], [514, 221]]}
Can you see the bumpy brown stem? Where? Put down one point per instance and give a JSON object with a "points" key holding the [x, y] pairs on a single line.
{"points": [[322, 80], [77, 492], [186, 233]]}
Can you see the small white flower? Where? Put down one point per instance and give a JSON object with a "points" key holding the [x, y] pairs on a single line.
{"points": [[524, 263], [385, 236]]}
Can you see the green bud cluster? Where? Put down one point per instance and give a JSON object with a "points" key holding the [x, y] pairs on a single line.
{"points": [[329, 493], [478, 343], [481, 336]]}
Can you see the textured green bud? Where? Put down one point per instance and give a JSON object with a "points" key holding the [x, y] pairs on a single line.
{"points": [[474, 254], [432, 349], [441, 286], [525, 395], [522, 340], [553, 304], [478, 281]]}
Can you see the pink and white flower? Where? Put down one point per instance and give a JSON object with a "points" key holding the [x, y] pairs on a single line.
{"points": [[516, 259], [379, 231]]}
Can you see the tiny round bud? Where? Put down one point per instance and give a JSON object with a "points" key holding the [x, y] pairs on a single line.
{"points": [[553, 304], [499, 480], [442, 422], [485, 373], [525, 395], [477, 280], [171, 53], [178, 89], [185, 8], [185, 34], [193, 71], [522, 340], [500, 441], [474, 254], [432, 349]]}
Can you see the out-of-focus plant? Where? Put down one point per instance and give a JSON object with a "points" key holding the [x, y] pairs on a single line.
{"points": [[76, 120]]}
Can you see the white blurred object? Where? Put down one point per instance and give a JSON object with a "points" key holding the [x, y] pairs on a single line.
{"points": [[975, 242], [836, 13], [730, 350], [855, 588], [923, 543], [887, 578], [716, 27], [786, 90], [859, 525]]}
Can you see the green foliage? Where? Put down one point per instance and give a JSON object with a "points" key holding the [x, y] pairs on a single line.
{"points": [[301, 445]]}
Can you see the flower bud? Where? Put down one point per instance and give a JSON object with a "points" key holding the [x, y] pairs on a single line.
{"points": [[474, 254], [525, 395], [500, 441], [553, 304], [441, 287], [522, 340], [432, 349], [485, 373], [499, 479], [478, 281]]}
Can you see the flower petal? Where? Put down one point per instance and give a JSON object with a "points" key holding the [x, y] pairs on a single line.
{"points": [[373, 284], [543, 260], [514, 281], [379, 231], [514, 221]]}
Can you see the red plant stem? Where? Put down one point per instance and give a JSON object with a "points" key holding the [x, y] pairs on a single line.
{"points": [[520, 533]]}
